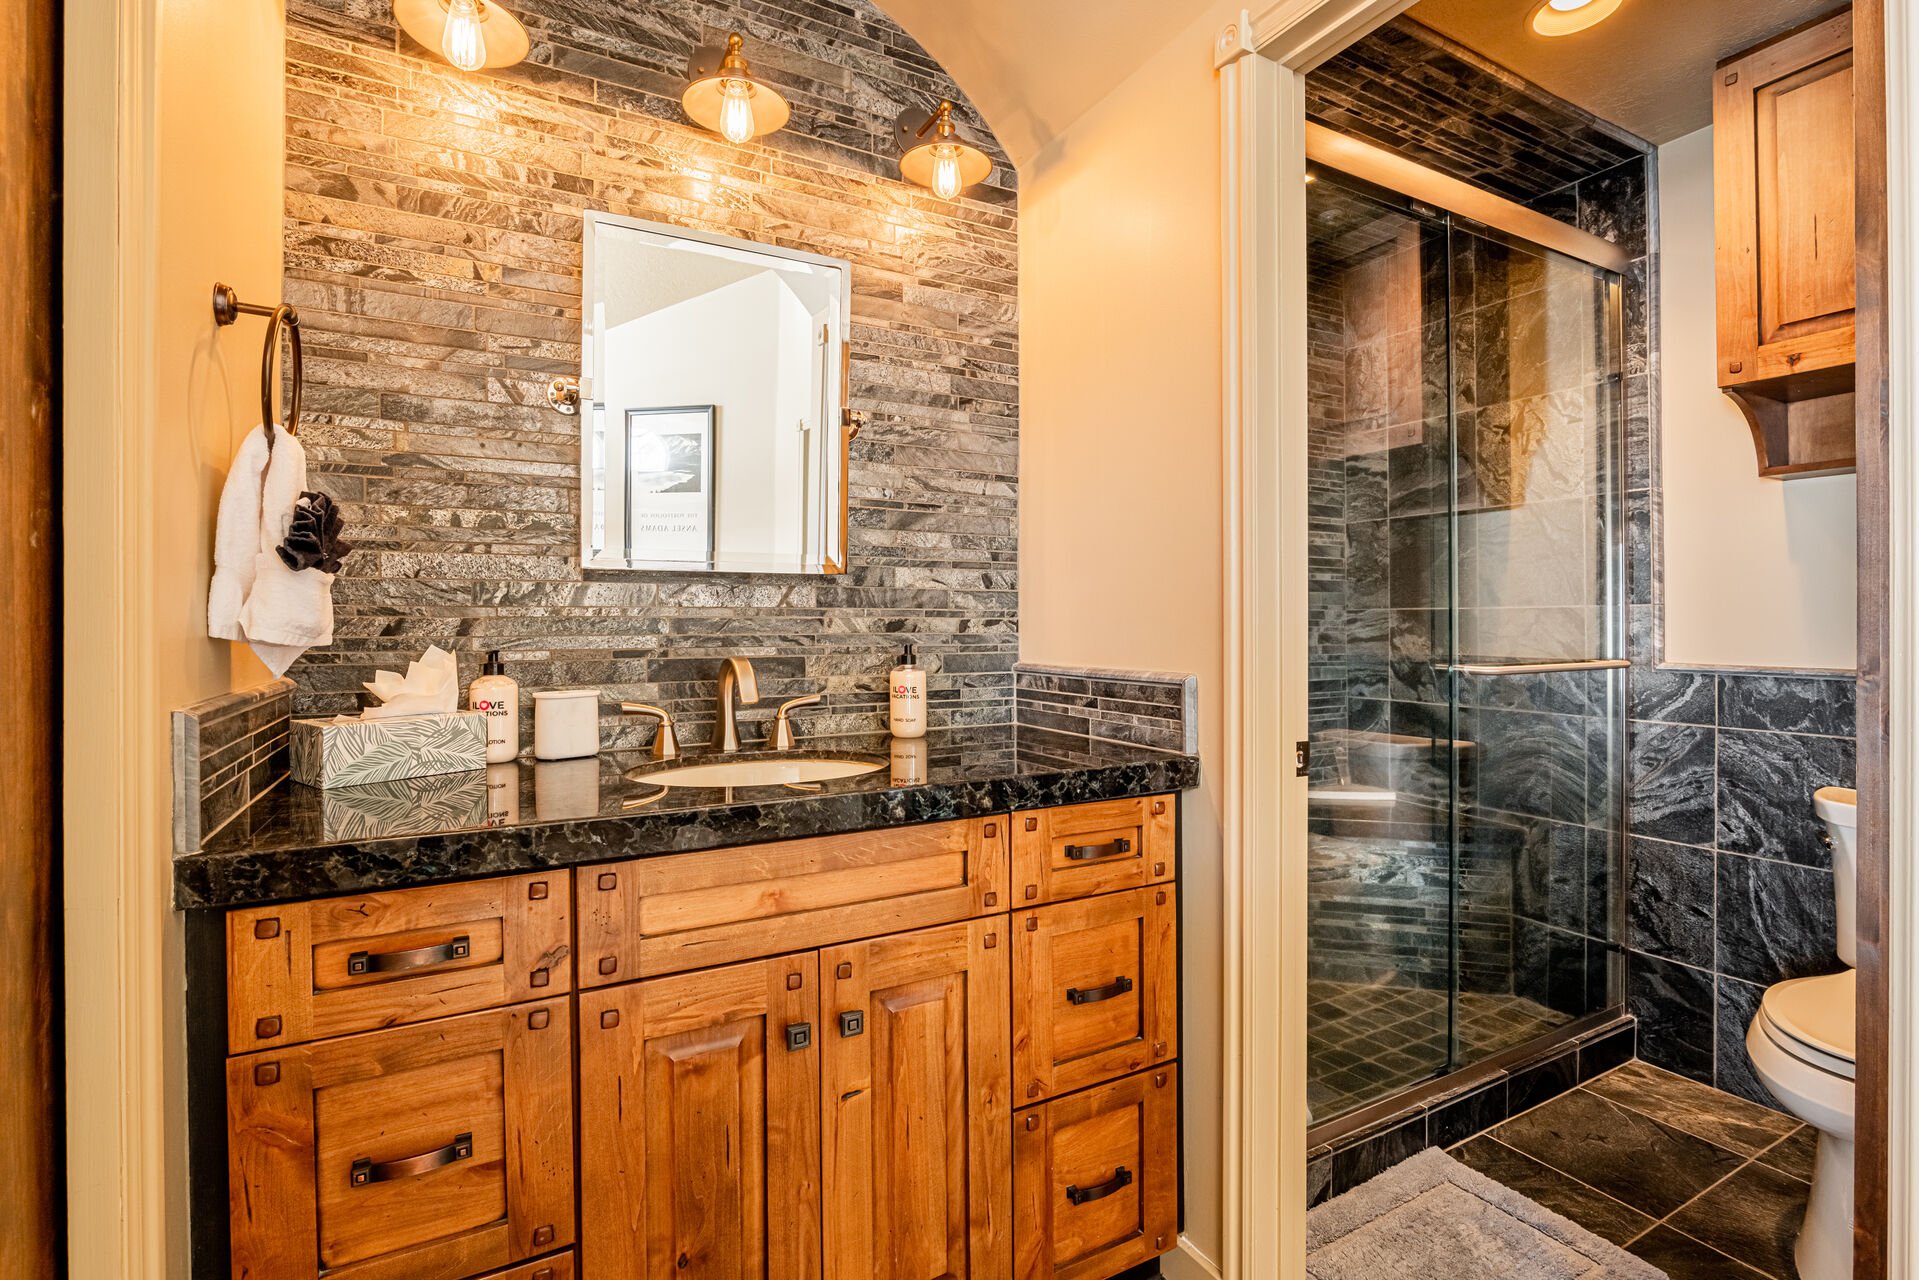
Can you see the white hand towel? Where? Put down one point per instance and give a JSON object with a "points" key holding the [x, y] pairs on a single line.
{"points": [[280, 612]]}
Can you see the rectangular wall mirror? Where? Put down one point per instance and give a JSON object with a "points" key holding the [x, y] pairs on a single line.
{"points": [[711, 403]]}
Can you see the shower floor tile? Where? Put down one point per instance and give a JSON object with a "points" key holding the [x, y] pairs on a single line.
{"points": [[1368, 1041]]}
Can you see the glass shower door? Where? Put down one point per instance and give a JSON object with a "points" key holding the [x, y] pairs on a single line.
{"points": [[1538, 688], [1381, 925]]}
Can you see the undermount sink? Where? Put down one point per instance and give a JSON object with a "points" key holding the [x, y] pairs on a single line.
{"points": [[754, 773]]}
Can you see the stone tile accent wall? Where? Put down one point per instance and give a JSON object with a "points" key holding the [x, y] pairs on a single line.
{"points": [[227, 750], [1730, 886], [1146, 708], [433, 232]]}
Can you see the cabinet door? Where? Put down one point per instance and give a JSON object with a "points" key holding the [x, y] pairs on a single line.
{"points": [[1099, 1179], [1095, 990], [699, 1110], [1783, 196], [421, 1153], [918, 1131]]}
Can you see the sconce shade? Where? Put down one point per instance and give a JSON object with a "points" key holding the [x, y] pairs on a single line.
{"points": [[925, 138], [718, 79], [505, 39]]}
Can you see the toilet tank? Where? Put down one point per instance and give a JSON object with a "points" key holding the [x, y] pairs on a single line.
{"points": [[1838, 808]]}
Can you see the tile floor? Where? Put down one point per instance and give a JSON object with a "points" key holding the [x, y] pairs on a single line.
{"points": [[1369, 1041], [1699, 1183]]}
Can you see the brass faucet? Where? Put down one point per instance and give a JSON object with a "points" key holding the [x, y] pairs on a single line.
{"points": [[734, 672]]}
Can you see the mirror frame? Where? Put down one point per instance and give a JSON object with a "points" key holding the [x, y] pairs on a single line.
{"points": [[847, 422]]}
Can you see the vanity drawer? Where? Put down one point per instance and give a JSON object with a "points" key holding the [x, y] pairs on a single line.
{"points": [[1082, 849], [1095, 990], [691, 910], [1096, 1179], [558, 1267], [308, 970], [430, 1152]]}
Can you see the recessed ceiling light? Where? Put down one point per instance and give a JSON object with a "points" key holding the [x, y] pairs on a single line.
{"points": [[1563, 17]]}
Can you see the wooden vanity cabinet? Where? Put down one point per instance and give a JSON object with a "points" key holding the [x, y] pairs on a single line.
{"points": [[1784, 244], [802, 1060]]}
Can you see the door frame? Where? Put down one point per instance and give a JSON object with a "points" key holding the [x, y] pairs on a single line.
{"points": [[1262, 59]]}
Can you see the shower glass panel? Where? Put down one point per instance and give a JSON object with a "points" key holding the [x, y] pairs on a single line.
{"points": [[1467, 605]]}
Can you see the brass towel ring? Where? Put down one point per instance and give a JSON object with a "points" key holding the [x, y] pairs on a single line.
{"points": [[227, 308]]}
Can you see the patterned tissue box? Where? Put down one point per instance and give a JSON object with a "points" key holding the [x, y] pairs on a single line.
{"points": [[328, 753]]}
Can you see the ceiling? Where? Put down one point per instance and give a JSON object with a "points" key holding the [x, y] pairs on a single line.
{"points": [[1033, 67], [1647, 69]]}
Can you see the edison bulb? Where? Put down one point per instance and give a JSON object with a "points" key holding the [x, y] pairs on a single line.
{"points": [[463, 43], [736, 111], [946, 171]]}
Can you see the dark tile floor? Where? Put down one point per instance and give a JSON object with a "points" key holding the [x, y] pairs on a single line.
{"points": [[1371, 1040], [1699, 1183]]}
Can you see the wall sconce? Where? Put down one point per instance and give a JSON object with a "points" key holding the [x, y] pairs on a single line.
{"points": [[723, 95], [470, 34], [934, 155]]}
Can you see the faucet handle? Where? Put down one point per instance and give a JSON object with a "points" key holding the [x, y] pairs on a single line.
{"points": [[782, 739], [666, 742]]}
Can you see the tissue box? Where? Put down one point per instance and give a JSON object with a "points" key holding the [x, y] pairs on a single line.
{"points": [[352, 753]]}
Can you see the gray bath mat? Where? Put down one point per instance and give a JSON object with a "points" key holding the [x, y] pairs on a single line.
{"points": [[1432, 1217]]}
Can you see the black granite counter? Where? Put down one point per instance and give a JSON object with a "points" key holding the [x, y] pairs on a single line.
{"points": [[301, 842]]}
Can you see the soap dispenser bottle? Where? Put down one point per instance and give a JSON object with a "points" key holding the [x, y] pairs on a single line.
{"points": [[498, 695], [906, 697]]}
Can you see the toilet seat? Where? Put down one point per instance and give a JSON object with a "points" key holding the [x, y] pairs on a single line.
{"points": [[1812, 1019]]}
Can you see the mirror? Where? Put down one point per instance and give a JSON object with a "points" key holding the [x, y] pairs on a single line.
{"points": [[710, 402]]}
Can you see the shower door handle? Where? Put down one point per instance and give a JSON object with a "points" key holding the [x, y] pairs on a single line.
{"points": [[1533, 668]]}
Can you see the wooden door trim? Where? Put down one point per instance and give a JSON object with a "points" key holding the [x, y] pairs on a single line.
{"points": [[30, 1105]]}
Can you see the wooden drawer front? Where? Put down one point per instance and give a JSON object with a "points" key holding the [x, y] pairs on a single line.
{"points": [[420, 1153], [1082, 849], [1095, 990], [1096, 1179], [700, 1116], [917, 1154], [692, 910], [558, 1267], [308, 970]]}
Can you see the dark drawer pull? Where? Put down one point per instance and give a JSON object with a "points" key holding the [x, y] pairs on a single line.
{"points": [[419, 958], [1122, 1176], [1093, 995], [365, 1171], [1087, 852]]}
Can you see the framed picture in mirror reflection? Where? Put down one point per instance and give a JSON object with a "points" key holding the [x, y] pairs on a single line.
{"points": [[669, 484]]}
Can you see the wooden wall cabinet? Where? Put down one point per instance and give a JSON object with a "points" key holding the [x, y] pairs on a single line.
{"points": [[798, 1060], [1784, 244]]}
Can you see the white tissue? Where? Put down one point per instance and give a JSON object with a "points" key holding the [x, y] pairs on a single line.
{"points": [[431, 686]]}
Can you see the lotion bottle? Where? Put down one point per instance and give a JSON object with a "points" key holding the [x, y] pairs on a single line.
{"points": [[498, 695], [906, 697]]}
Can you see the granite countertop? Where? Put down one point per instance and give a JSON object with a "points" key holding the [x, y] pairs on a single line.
{"points": [[301, 842]]}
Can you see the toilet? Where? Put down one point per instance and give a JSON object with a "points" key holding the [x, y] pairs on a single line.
{"points": [[1802, 1047]]}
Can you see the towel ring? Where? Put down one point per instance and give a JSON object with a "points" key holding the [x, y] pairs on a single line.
{"points": [[227, 308]]}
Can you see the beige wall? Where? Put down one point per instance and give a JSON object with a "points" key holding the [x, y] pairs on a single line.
{"points": [[174, 158], [1758, 573], [1121, 554]]}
